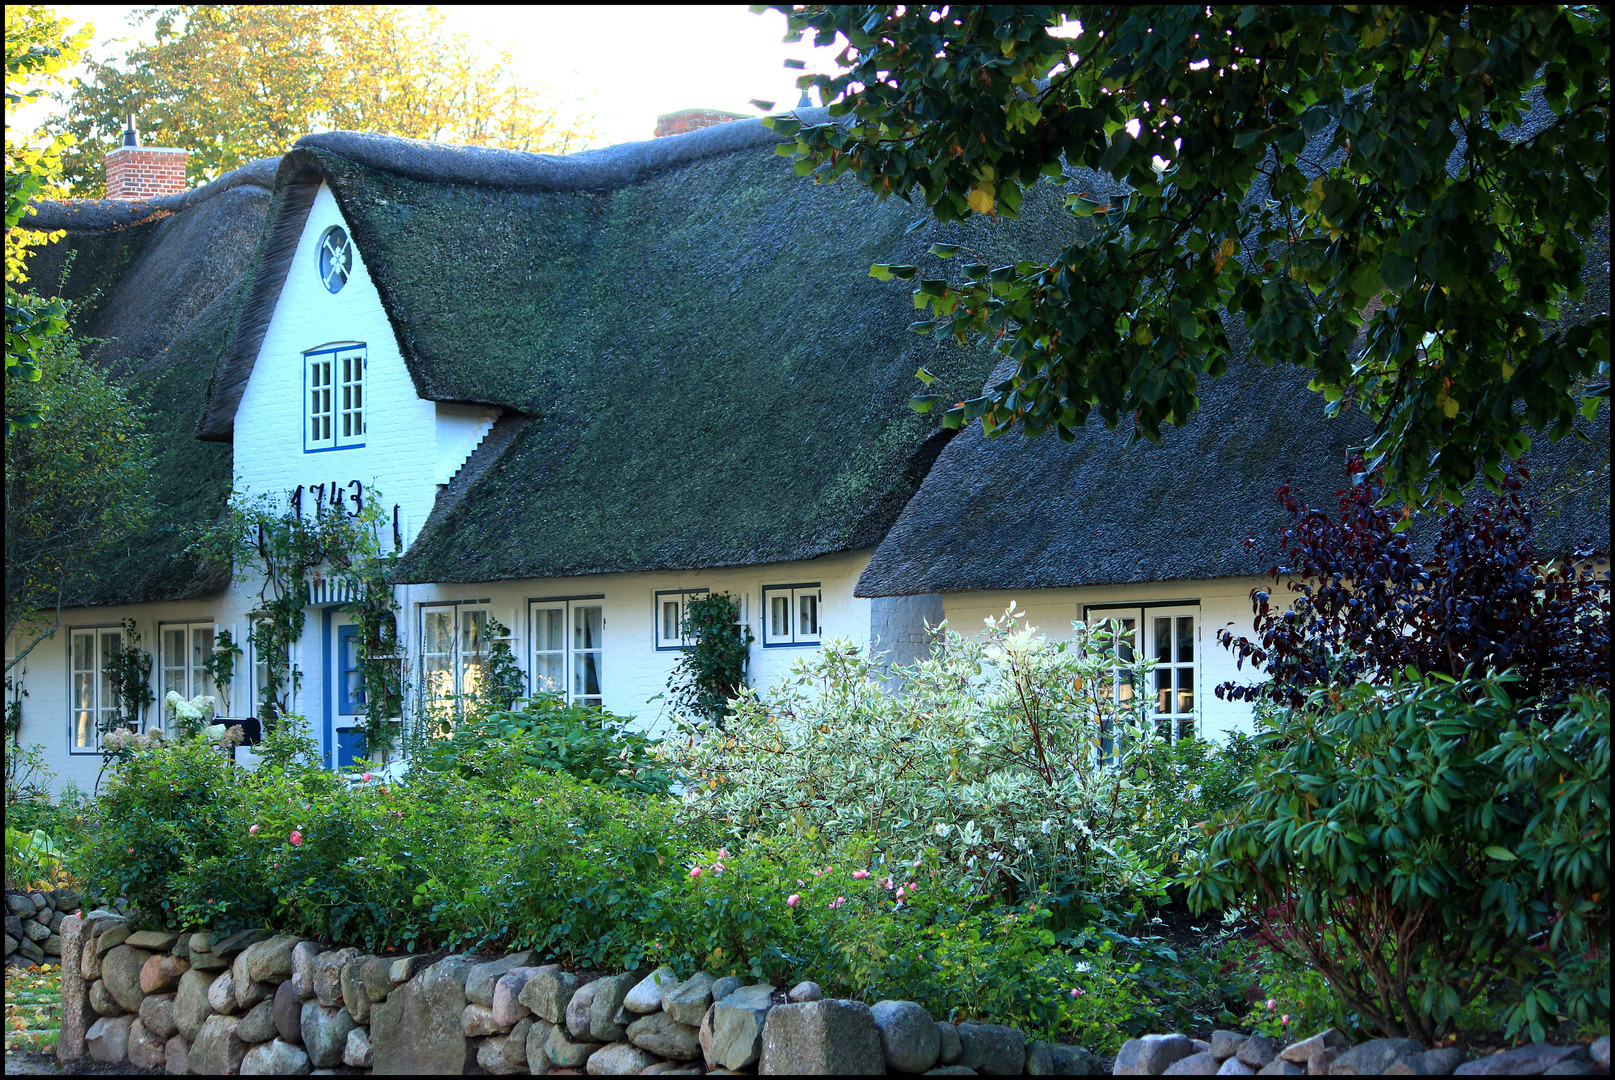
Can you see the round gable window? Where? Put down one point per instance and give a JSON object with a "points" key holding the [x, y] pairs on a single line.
{"points": [[336, 258]]}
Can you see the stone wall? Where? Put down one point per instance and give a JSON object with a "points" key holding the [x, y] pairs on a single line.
{"points": [[33, 925], [254, 1004]]}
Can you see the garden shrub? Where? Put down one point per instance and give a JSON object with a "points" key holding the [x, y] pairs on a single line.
{"points": [[163, 807], [1417, 842], [496, 744], [1370, 598], [1012, 755], [579, 870]]}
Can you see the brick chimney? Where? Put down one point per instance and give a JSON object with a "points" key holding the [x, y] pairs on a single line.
{"points": [[677, 123], [140, 172]]}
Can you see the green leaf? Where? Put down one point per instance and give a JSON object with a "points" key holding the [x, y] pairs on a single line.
{"points": [[923, 403], [1501, 854], [944, 251]]}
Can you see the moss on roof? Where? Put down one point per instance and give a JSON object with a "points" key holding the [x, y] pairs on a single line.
{"points": [[713, 377], [155, 300]]}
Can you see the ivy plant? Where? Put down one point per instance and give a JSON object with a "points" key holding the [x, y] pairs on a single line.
{"points": [[1400, 200], [712, 669], [284, 550]]}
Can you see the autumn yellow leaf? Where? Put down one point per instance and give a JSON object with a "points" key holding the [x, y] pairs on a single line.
{"points": [[981, 199]]}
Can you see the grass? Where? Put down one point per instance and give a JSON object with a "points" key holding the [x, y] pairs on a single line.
{"points": [[33, 1008]]}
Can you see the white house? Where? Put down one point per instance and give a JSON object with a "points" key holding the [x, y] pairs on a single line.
{"points": [[584, 389]]}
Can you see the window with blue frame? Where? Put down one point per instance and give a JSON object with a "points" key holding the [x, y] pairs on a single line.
{"points": [[334, 397], [791, 614]]}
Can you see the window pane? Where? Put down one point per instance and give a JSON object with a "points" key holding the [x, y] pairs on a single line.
{"points": [[1185, 639], [473, 650], [549, 649], [808, 605], [1163, 688], [670, 620], [779, 617], [586, 675], [174, 657], [201, 650], [1163, 641], [549, 629], [437, 652], [588, 626], [83, 691], [1185, 690]]}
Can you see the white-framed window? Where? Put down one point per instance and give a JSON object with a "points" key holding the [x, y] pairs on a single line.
{"points": [[333, 398], [92, 702], [1169, 635], [791, 614], [568, 647], [183, 649], [454, 652], [670, 605]]}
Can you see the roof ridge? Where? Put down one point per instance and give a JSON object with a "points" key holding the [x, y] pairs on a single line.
{"points": [[94, 214], [587, 170]]}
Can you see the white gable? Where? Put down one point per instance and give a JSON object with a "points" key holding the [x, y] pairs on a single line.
{"points": [[406, 447]]}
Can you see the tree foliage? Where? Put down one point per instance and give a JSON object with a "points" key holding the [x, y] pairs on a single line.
{"points": [[38, 46], [231, 84], [1369, 601], [1397, 199], [75, 487]]}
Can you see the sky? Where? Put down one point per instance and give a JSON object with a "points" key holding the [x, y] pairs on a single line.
{"points": [[627, 65]]}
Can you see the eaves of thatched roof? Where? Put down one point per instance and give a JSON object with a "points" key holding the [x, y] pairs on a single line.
{"points": [[155, 284]]}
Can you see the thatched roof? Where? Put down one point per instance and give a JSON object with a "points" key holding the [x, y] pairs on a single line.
{"points": [[711, 375], [155, 284], [1017, 513]]}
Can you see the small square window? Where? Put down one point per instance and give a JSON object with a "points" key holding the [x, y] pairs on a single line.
{"points": [[791, 614], [669, 616]]}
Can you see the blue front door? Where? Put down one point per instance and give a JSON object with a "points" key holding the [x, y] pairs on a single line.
{"points": [[348, 699]]}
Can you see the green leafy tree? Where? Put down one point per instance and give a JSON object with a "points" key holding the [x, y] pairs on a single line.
{"points": [[75, 487], [231, 84], [1398, 199], [38, 46]]}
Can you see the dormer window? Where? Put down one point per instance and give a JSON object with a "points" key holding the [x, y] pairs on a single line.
{"points": [[335, 258], [333, 398]]}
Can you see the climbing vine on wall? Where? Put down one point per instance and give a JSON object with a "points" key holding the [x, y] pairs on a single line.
{"points": [[128, 669], [713, 667], [503, 680], [288, 550]]}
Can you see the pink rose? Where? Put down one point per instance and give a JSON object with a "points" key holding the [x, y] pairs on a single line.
{"points": [[1285, 1020], [723, 853], [695, 871], [859, 875], [1272, 1004], [253, 831], [900, 893], [296, 838], [365, 778], [792, 900], [800, 883]]}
